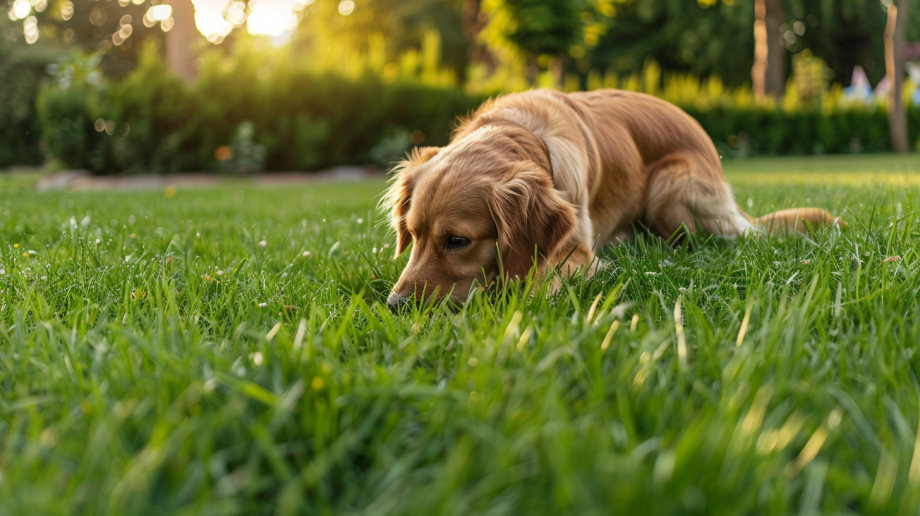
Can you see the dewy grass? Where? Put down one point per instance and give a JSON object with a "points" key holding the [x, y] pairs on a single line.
{"points": [[228, 351]]}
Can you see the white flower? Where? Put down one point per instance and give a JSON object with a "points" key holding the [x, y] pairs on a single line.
{"points": [[263, 243], [263, 305], [306, 254], [220, 273], [257, 358], [360, 221]]}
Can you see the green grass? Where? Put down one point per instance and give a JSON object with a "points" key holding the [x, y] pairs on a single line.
{"points": [[182, 356]]}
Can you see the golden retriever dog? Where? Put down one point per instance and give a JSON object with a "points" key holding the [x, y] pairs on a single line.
{"points": [[542, 179]]}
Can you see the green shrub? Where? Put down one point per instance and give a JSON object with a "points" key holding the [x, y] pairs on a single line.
{"points": [[303, 121], [22, 70], [155, 113], [246, 156], [306, 120], [68, 117]]}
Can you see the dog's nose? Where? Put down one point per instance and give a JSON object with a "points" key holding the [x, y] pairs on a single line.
{"points": [[396, 301]]}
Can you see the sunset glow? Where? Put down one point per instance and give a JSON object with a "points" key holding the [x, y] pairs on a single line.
{"points": [[215, 19], [210, 21], [271, 17]]}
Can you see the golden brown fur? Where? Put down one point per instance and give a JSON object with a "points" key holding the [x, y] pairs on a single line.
{"points": [[543, 178]]}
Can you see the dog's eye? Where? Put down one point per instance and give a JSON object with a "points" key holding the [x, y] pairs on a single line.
{"points": [[455, 242]]}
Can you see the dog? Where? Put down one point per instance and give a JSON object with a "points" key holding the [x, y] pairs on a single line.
{"points": [[542, 178]]}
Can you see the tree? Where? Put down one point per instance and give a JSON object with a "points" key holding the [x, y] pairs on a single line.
{"points": [[114, 29], [179, 55], [401, 25], [769, 72], [710, 39], [538, 28], [894, 66]]}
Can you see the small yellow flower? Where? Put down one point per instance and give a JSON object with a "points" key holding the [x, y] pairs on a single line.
{"points": [[317, 383], [25, 255], [170, 192], [15, 246]]}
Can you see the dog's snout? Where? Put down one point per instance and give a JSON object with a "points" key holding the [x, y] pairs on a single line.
{"points": [[396, 300]]}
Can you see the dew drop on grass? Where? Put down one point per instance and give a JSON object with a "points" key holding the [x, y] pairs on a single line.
{"points": [[210, 384]]}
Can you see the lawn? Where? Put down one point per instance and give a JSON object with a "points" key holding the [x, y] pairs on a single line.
{"points": [[226, 351]]}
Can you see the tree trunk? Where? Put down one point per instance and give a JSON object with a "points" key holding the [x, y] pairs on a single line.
{"points": [[894, 67], [759, 71], [557, 69], [775, 74], [473, 22], [179, 55]]}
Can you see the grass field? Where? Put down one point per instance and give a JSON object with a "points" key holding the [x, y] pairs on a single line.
{"points": [[225, 351]]}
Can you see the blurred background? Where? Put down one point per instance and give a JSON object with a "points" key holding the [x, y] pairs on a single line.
{"points": [[237, 87]]}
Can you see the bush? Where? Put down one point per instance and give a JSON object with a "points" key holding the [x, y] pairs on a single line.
{"points": [[304, 121], [307, 120], [758, 130], [68, 117], [22, 69]]}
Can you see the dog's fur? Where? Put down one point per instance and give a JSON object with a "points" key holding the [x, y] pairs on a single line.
{"points": [[549, 177]]}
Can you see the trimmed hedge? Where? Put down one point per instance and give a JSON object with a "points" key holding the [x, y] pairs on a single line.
{"points": [[772, 131], [153, 122], [21, 73], [156, 123]]}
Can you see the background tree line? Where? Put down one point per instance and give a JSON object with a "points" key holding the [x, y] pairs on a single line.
{"points": [[742, 43], [705, 37]]}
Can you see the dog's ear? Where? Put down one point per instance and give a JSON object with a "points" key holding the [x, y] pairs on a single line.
{"points": [[532, 218], [398, 197]]}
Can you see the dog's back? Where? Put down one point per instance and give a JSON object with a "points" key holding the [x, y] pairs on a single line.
{"points": [[627, 158]]}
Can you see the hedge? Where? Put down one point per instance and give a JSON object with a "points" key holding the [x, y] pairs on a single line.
{"points": [[153, 122]]}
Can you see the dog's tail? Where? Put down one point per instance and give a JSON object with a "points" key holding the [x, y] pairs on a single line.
{"points": [[794, 220]]}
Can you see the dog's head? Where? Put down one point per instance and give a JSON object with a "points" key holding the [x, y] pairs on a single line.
{"points": [[473, 210]]}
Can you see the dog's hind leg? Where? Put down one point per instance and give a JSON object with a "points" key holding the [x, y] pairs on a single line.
{"points": [[682, 194], [796, 220]]}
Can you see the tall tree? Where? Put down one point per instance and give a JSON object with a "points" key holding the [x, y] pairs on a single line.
{"points": [[711, 38], [539, 28], [474, 19], [894, 66], [179, 40], [759, 71], [769, 72], [775, 80]]}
